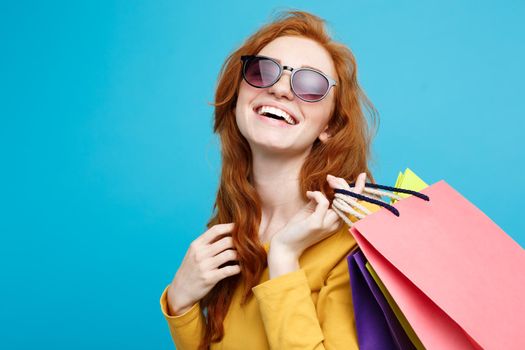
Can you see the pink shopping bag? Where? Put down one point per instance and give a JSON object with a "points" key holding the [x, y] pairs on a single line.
{"points": [[456, 276]]}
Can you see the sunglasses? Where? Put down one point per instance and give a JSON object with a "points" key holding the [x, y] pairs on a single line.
{"points": [[308, 84]]}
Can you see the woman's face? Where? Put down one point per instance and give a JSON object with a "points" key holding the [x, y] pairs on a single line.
{"points": [[265, 134]]}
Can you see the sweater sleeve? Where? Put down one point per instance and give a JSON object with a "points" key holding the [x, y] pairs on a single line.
{"points": [[291, 319], [187, 329]]}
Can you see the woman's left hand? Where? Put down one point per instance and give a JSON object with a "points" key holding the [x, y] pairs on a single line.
{"points": [[315, 222]]}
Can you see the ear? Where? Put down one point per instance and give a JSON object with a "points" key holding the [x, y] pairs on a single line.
{"points": [[324, 136]]}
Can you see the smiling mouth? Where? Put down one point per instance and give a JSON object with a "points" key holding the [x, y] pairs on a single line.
{"points": [[276, 113]]}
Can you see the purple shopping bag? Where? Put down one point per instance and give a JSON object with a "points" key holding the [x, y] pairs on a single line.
{"points": [[376, 323]]}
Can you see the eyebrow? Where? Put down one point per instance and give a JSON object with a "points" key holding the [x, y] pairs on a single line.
{"points": [[303, 66]]}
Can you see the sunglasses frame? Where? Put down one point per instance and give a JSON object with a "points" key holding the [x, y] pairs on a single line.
{"points": [[246, 58]]}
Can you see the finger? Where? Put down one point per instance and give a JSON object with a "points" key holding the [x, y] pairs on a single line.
{"points": [[322, 205], [336, 226], [221, 258], [213, 232], [312, 204], [226, 271], [220, 246], [330, 218], [360, 183], [337, 182]]}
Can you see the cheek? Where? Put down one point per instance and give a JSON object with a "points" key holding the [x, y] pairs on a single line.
{"points": [[246, 93], [320, 115], [244, 98], [327, 108]]}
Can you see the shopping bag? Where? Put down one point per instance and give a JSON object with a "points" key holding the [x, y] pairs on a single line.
{"points": [[376, 323], [410, 181], [456, 276], [397, 311]]}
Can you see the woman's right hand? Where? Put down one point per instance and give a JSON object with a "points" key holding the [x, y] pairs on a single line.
{"points": [[199, 270]]}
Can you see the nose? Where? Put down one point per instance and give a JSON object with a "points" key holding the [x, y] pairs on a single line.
{"points": [[282, 88]]}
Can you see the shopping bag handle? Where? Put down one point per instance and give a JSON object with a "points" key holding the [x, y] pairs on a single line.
{"points": [[379, 202], [394, 189]]}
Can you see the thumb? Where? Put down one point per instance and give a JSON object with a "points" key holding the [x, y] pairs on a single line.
{"points": [[360, 183], [312, 204]]}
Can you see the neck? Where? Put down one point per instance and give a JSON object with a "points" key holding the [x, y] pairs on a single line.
{"points": [[276, 179]]}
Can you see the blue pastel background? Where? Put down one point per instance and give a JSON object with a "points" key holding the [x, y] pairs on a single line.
{"points": [[109, 166]]}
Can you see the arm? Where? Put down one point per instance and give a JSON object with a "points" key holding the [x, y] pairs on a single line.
{"points": [[293, 321], [186, 329]]}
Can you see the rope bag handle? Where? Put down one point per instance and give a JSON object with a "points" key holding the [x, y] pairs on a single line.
{"points": [[346, 201]]}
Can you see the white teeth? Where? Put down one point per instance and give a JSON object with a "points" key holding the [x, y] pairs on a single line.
{"points": [[268, 109]]}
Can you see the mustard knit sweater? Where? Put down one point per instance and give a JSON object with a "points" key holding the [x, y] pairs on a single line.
{"points": [[310, 308]]}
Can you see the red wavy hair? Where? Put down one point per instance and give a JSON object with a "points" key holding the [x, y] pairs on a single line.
{"points": [[344, 154]]}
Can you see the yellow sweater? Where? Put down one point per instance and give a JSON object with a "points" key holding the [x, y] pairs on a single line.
{"points": [[310, 308]]}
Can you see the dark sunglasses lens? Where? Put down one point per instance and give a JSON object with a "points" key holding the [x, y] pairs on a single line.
{"points": [[261, 72], [310, 85]]}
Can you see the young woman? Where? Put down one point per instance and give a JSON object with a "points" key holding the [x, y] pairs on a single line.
{"points": [[271, 271]]}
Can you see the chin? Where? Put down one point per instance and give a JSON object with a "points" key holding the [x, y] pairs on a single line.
{"points": [[276, 146], [271, 145]]}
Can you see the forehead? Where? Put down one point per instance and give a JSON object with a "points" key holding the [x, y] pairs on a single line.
{"points": [[296, 52]]}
